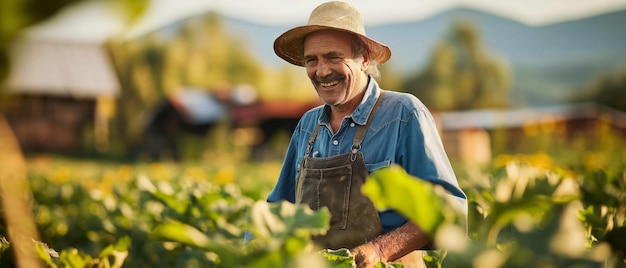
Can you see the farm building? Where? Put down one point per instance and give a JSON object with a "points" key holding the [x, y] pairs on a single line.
{"points": [[61, 83], [470, 136]]}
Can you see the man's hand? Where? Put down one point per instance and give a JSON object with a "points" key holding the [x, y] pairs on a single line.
{"points": [[366, 255]]}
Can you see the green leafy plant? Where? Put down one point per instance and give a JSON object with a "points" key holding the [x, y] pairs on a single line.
{"points": [[112, 256], [524, 217], [520, 214]]}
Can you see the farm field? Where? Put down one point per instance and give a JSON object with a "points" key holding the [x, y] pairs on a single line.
{"points": [[525, 210]]}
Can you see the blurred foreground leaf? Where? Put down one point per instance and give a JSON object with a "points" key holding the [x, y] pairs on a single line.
{"points": [[339, 258], [284, 219], [416, 199], [183, 233]]}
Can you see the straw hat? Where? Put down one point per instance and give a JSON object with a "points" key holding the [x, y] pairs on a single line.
{"points": [[332, 15]]}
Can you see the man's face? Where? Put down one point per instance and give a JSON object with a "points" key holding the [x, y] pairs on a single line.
{"points": [[337, 75]]}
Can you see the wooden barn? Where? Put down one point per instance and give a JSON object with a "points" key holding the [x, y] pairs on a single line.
{"points": [[62, 82]]}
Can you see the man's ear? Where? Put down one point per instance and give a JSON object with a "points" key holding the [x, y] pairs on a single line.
{"points": [[366, 61]]}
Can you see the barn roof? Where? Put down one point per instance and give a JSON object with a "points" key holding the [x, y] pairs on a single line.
{"points": [[66, 55], [507, 118]]}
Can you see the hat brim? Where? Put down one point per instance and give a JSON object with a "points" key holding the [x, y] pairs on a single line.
{"points": [[289, 45]]}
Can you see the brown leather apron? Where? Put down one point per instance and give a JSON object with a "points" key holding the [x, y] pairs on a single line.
{"points": [[335, 182]]}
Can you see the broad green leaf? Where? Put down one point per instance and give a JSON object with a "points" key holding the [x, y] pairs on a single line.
{"points": [[284, 219], [179, 232], [282, 233], [121, 245], [339, 258], [505, 213], [119, 252], [45, 253], [393, 188], [171, 201], [74, 258]]}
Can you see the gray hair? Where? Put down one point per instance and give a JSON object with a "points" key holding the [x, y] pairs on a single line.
{"points": [[358, 49]]}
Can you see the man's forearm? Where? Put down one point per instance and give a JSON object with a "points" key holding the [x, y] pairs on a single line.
{"points": [[401, 241]]}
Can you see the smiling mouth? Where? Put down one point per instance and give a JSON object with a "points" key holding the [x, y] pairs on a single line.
{"points": [[329, 84]]}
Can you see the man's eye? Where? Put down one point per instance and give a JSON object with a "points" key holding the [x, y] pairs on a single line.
{"points": [[336, 59], [310, 62]]}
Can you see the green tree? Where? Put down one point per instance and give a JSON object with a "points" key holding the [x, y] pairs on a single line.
{"points": [[215, 56], [608, 90], [390, 79], [461, 74]]}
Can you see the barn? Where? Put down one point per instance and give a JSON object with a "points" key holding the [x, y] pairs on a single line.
{"points": [[62, 83]]}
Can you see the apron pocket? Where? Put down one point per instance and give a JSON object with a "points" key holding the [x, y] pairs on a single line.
{"points": [[329, 187], [335, 194]]}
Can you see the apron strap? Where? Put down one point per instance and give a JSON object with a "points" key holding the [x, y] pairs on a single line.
{"points": [[311, 140], [362, 129]]}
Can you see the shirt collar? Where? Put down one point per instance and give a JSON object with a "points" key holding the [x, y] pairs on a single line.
{"points": [[362, 112]]}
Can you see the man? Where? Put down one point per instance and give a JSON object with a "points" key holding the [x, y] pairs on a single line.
{"points": [[360, 129]]}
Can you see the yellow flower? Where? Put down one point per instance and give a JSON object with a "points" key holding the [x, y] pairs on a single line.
{"points": [[225, 175], [62, 175], [195, 174], [125, 173], [160, 171]]}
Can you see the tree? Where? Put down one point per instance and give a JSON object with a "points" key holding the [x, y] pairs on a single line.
{"points": [[390, 78], [609, 90], [461, 75]]}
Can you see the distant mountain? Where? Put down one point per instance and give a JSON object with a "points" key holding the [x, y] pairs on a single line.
{"points": [[549, 63]]}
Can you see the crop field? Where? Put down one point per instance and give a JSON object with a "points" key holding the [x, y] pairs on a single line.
{"points": [[525, 210]]}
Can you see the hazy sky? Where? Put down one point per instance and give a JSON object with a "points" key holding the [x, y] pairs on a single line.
{"points": [[92, 21], [533, 12], [292, 12]]}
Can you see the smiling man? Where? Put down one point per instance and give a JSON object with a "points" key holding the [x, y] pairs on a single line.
{"points": [[361, 128], [336, 72]]}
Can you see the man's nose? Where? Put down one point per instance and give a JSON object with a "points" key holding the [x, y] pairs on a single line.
{"points": [[323, 69]]}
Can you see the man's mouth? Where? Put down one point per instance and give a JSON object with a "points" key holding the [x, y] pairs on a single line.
{"points": [[329, 84], [330, 80]]}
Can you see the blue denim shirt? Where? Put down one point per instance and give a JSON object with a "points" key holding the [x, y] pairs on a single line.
{"points": [[403, 132]]}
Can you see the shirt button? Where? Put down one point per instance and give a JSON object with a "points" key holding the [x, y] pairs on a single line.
{"points": [[335, 142], [351, 124]]}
